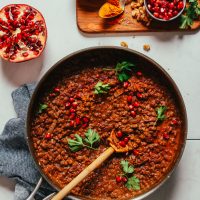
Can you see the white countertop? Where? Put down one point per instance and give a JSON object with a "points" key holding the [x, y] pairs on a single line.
{"points": [[177, 52]]}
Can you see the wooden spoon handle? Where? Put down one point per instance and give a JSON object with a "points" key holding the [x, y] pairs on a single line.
{"points": [[96, 163]]}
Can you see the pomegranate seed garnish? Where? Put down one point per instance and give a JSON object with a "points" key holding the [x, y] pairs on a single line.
{"points": [[129, 99], [48, 135], [126, 84], [72, 116], [136, 104], [166, 136], [56, 90], [126, 139], [68, 104], [139, 73], [71, 123], [84, 125], [174, 122], [78, 121], [85, 120], [124, 179], [139, 95], [122, 143], [74, 104], [133, 113], [136, 152], [118, 179], [71, 100], [119, 134], [72, 110], [131, 107], [52, 94], [78, 96]]}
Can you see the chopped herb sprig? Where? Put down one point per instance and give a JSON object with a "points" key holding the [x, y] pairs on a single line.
{"points": [[133, 183], [192, 12], [123, 70], [161, 114], [91, 137], [101, 88], [42, 107]]}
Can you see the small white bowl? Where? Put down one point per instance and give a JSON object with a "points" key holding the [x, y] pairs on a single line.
{"points": [[163, 20]]}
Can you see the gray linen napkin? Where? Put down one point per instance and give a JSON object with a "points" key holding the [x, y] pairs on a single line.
{"points": [[15, 159]]}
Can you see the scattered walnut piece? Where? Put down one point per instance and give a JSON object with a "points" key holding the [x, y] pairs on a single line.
{"points": [[146, 47], [139, 12], [124, 44]]}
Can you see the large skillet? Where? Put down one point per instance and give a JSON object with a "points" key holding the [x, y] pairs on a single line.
{"points": [[104, 56]]}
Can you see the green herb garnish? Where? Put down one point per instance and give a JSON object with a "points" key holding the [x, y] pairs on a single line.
{"points": [[126, 168], [76, 145], [91, 137], [123, 70], [42, 107], [133, 183], [161, 113], [101, 88], [192, 12]]}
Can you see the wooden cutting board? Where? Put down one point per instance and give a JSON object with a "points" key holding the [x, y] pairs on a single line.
{"points": [[88, 20]]}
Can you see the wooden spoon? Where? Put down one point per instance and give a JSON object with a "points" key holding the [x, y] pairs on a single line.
{"points": [[95, 164]]}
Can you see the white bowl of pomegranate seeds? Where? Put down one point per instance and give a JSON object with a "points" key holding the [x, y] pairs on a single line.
{"points": [[165, 10], [23, 33]]}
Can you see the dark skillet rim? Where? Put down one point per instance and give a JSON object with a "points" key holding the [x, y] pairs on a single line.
{"points": [[158, 68]]}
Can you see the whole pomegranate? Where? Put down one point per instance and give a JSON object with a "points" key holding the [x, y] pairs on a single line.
{"points": [[23, 33]]}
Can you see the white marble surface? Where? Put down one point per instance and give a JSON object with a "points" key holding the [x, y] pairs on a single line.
{"points": [[177, 52]]}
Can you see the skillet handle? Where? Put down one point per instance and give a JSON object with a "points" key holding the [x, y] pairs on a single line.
{"points": [[31, 196], [96, 163], [35, 190]]}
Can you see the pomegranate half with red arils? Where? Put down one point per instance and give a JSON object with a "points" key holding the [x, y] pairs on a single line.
{"points": [[23, 33]]}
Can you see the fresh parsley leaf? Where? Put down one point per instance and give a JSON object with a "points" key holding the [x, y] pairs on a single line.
{"points": [[133, 183], [185, 22], [124, 66], [128, 169], [123, 76], [76, 145], [91, 137], [123, 69], [101, 88], [161, 113], [42, 107], [192, 12]]}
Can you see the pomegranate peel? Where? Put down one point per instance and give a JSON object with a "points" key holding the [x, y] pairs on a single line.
{"points": [[23, 33]]}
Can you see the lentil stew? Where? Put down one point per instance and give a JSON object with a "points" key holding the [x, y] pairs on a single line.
{"points": [[143, 108]]}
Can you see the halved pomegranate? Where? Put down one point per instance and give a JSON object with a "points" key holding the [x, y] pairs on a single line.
{"points": [[23, 33]]}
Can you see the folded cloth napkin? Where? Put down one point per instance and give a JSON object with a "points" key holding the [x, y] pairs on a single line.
{"points": [[15, 159]]}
